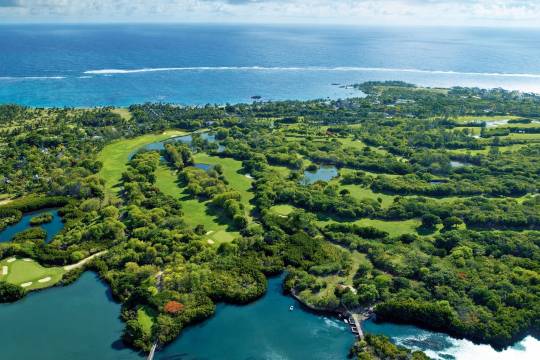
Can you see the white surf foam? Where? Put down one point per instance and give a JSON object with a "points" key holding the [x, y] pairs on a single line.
{"points": [[308, 68]]}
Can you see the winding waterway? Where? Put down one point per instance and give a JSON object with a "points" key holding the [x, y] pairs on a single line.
{"points": [[81, 321]]}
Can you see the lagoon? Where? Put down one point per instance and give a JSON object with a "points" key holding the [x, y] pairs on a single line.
{"points": [[51, 228], [82, 322], [77, 322]]}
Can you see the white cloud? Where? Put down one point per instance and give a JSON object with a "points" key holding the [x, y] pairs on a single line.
{"points": [[360, 12]]}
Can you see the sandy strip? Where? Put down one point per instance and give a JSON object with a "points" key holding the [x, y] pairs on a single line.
{"points": [[210, 241], [83, 261], [211, 231], [26, 284], [44, 280], [4, 270], [27, 259], [11, 260], [249, 176]]}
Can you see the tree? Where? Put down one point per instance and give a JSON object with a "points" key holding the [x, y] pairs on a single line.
{"points": [[173, 307], [452, 222], [429, 221]]}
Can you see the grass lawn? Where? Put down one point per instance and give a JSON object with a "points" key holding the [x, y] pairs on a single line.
{"points": [[24, 272], [359, 145], [231, 170], [283, 209], [195, 212], [115, 155], [333, 280], [145, 317], [514, 136], [124, 113], [394, 228], [465, 119], [360, 193]]}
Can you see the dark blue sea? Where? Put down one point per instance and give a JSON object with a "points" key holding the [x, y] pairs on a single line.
{"points": [[91, 65]]}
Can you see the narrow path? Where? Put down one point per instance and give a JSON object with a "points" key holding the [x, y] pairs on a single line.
{"points": [[83, 261], [152, 352]]}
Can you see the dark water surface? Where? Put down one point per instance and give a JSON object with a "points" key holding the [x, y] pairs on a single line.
{"points": [[51, 228]]}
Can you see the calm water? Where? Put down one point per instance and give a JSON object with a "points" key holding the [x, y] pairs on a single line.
{"points": [[323, 173], [58, 65], [77, 322], [263, 330], [81, 322], [51, 228], [185, 139]]}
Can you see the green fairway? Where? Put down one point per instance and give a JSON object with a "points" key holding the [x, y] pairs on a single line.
{"points": [[361, 193], [196, 212], [466, 119], [115, 155], [394, 228], [231, 169], [123, 112], [29, 273]]}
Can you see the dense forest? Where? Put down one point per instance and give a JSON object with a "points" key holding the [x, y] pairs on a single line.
{"points": [[417, 204]]}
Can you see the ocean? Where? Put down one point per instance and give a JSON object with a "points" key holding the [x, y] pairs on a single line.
{"points": [[99, 65]]}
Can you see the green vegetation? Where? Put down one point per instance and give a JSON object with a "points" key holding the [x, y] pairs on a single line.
{"points": [[41, 219], [433, 219], [115, 155], [29, 274]]}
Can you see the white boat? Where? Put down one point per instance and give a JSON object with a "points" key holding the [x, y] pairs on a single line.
{"points": [[291, 308]]}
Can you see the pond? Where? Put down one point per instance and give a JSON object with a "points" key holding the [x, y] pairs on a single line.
{"points": [[203, 166], [323, 173], [51, 228], [185, 139], [443, 347], [457, 164]]}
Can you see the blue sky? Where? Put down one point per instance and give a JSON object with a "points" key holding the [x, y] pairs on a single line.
{"points": [[351, 12]]}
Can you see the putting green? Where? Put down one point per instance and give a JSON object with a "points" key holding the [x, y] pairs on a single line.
{"points": [[29, 273]]}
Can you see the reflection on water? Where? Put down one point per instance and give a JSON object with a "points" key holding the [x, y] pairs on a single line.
{"points": [[324, 173]]}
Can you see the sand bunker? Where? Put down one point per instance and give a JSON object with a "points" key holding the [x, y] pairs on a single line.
{"points": [[4, 270], [44, 280], [11, 260], [26, 284]]}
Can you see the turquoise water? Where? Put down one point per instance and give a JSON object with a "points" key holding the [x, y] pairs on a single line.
{"points": [[443, 347], [77, 322], [265, 329], [51, 228], [81, 322], [102, 65], [323, 173]]}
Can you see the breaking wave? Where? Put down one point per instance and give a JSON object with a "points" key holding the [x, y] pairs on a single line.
{"points": [[307, 68]]}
